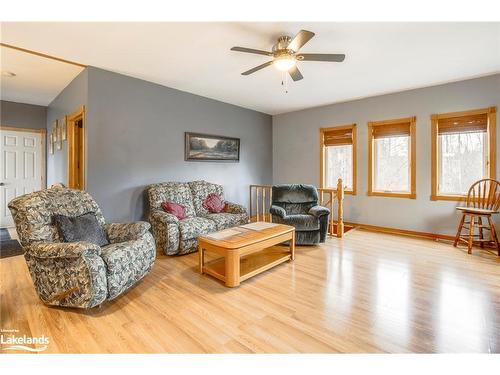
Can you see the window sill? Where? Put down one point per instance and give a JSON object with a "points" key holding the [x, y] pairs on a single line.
{"points": [[392, 195], [453, 198]]}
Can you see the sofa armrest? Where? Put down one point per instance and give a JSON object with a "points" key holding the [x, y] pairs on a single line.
{"points": [[164, 217], [69, 274], [319, 211], [121, 232], [165, 231], [46, 250], [234, 208], [278, 211]]}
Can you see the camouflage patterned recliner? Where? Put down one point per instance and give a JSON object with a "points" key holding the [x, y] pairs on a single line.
{"points": [[79, 274]]}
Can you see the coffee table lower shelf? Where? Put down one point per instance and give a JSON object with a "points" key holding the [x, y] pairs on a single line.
{"points": [[250, 265]]}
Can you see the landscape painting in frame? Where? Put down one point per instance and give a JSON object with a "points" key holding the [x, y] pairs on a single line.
{"points": [[205, 147]]}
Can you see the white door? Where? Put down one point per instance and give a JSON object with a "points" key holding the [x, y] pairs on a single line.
{"points": [[20, 168]]}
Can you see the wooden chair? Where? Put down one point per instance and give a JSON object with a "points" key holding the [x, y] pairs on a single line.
{"points": [[483, 200]]}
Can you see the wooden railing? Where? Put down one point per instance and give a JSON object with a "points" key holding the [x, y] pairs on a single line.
{"points": [[261, 198]]}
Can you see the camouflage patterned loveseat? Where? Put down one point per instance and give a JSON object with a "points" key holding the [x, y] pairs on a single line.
{"points": [[174, 236]]}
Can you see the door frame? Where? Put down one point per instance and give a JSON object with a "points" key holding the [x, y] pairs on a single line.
{"points": [[43, 158], [70, 127]]}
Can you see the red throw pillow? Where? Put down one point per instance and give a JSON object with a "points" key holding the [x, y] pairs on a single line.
{"points": [[176, 209], [213, 204]]}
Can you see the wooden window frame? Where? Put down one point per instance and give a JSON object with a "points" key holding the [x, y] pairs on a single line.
{"points": [[413, 159], [322, 147], [492, 140]]}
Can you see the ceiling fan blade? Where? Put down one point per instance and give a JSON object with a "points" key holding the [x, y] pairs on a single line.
{"points": [[251, 50], [295, 73], [321, 57], [253, 70], [302, 37]]}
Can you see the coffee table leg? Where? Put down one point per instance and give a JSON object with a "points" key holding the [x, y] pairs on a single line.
{"points": [[232, 265], [292, 246], [201, 258]]}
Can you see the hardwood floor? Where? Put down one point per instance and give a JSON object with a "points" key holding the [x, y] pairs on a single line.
{"points": [[367, 292]]}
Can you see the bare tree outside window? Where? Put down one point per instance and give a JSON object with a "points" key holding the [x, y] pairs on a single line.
{"points": [[391, 164], [339, 165], [462, 160]]}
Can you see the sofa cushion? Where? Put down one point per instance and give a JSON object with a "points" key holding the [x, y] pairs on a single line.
{"points": [[177, 192], [213, 203], [295, 198], [299, 221], [200, 190], [176, 209], [85, 228], [296, 208], [294, 193], [36, 212], [225, 220], [192, 227]]}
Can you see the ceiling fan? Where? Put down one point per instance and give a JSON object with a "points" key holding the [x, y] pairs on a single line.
{"points": [[285, 54]]}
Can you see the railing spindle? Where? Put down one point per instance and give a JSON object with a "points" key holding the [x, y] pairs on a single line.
{"points": [[257, 201], [332, 197], [270, 203], [264, 204], [340, 220], [250, 203]]}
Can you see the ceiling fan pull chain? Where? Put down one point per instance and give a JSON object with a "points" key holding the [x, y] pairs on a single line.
{"points": [[284, 82]]}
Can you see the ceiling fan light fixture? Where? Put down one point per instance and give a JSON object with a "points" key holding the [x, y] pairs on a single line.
{"points": [[285, 54], [284, 63]]}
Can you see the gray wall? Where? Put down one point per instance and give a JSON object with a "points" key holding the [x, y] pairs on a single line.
{"points": [[135, 137], [21, 115], [296, 149], [68, 101]]}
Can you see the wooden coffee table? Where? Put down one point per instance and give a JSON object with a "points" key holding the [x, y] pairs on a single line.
{"points": [[245, 252]]}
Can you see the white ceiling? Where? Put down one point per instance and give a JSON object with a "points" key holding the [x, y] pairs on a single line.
{"points": [[195, 57], [38, 80]]}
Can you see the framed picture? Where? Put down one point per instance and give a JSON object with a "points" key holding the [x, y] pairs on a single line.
{"points": [[57, 138], [51, 144], [64, 131], [53, 136], [205, 147]]}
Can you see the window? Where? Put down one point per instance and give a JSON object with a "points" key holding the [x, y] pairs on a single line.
{"points": [[463, 151], [391, 158], [338, 157]]}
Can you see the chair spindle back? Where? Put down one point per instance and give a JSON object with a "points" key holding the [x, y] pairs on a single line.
{"points": [[484, 194]]}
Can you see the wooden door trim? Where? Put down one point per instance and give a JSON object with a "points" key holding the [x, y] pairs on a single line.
{"points": [[43, 158], [70, 120]]}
